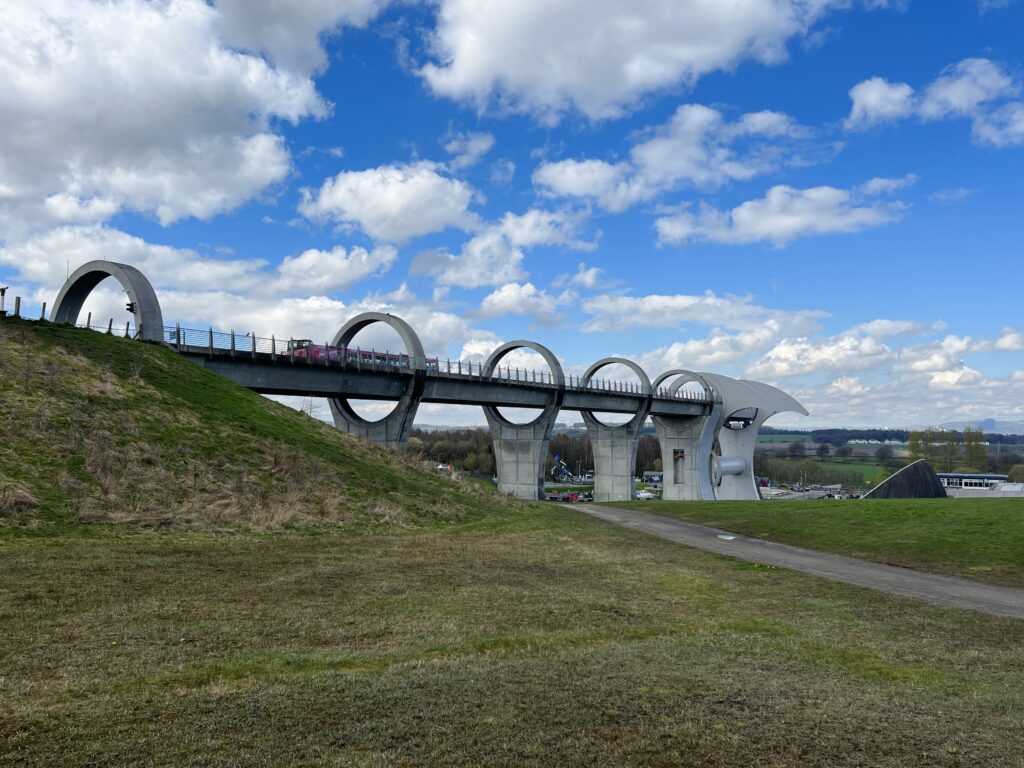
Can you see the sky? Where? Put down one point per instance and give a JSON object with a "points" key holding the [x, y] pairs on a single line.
{"points": [[825, 195]]}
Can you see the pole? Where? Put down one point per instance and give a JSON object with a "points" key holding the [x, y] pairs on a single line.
{"points": [[3, 292]]}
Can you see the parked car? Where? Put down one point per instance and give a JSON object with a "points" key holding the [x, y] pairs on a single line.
{"points": [[644, 495]]}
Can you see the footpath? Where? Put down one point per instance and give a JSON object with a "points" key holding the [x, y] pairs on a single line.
{"points": [[929, 587]]}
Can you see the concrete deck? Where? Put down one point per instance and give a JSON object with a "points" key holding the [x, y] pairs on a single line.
{"points": [[930, 588]]}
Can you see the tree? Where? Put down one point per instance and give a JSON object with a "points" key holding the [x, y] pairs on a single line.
{"points": [[844, 451], [823, 451], [975, 449], [949, 451], [916, 446], [885, 453], [415, 445], [797, 448], [1017, 473]]}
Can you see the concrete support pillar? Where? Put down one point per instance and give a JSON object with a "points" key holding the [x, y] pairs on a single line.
{"points": [[521, 450], [687, 444], [393, 430], [615, 446]]}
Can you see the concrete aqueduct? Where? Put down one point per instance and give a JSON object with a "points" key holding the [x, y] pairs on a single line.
{"points": [[706, 424]]}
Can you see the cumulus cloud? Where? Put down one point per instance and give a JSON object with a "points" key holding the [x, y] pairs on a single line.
{"points": [[784, 214], [394, 203], [467, 149], [192, 287], [601, 56], [698, 146], [585, 277], [193, 133], [846, 352], [290, 32], [524, 300], [978, 89], [877, 100], [612, 313], [495, 255]]}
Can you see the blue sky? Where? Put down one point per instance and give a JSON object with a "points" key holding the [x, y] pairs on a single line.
{"points": [[822, 194]]}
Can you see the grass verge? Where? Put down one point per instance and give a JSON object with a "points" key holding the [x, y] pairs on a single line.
{"points": [[981, 539]]}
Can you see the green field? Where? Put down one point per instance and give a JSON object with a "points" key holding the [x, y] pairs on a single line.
{"points": [[537, 637], [981, 539]]}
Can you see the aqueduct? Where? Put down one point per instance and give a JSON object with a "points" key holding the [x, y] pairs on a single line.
{"points": [[706, 423]]}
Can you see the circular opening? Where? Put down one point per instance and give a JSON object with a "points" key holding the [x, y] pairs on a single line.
{"points": [[616, 378], [377, 344], [107, 302], [527, 367]]}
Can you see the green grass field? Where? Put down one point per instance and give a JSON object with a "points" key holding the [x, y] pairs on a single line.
{"points": [[981, 539], [536, 637]]}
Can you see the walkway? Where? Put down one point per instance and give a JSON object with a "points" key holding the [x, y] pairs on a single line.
{"points": [[931, 588]]}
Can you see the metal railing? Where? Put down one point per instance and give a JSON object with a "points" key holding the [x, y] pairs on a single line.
{"points": [[294, 352]]}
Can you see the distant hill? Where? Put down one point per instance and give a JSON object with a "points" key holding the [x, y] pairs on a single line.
{"points": [[95, 428], [989, 426]]}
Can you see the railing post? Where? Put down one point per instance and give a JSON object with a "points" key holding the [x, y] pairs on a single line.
{"points": [[110, 329], [126, 327], [252, 344], [88, 321], [42, 315], [17, 306], [273, 348], [210, 338], [327, 355], [232, 342]]}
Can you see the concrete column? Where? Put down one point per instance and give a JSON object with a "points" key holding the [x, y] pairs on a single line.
{"points": [[687, 444], [615, 446], [521, 450], [393, 430]]}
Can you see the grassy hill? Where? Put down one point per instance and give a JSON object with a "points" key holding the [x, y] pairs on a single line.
{"points": [[95, 428]]}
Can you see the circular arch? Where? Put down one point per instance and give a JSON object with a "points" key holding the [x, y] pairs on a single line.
{"points": [[413, 345], [684, 377], [149, 321], [645, 382], [557, 378], [417, 360]]}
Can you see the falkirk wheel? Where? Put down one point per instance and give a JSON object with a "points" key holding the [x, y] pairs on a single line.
{"points": [[707, 448]]}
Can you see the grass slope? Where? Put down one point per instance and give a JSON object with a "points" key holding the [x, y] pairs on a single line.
{"points": [[981, 539], [99, 428]]}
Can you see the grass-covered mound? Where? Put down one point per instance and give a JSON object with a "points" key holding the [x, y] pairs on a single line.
{"points": [[97, 428]]}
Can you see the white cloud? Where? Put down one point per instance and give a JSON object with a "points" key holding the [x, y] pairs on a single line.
{"points": [[884, 186], [289, 32], [697, 146], [718, 349], [964, 87], [394, 203], [601, 56], [948, 196], [845, 352], [243, 293], [495, 256], [176, 124], [970, 88], [784, 214], [615, 313], [585, 277], [984, 6], [467, 149], [860, 348], [314, 270], [876, 100], [1003, 127], [525, 300]]}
